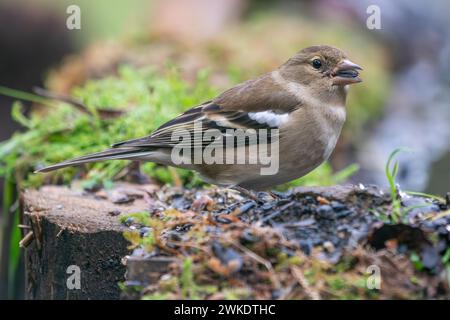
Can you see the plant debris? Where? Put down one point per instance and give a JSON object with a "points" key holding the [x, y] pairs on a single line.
{"points": [[309, 243]]}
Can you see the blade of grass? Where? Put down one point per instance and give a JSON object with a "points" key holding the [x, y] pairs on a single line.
{"points": [[22, 95], [426, 195], [440, 215], [9, 198], [397, 213], [14, 252]]}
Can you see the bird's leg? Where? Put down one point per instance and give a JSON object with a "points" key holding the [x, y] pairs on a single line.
{"points": [[274, 195], [278, 195], [135, 175], [246, 192]]}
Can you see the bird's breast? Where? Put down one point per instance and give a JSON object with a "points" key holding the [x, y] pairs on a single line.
{"points": [[310, 137]]}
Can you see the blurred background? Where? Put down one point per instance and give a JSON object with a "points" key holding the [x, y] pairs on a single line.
{"points": [[404, 100]]}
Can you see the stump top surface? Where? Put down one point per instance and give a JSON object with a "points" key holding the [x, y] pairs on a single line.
{"points": [[76, 210]]}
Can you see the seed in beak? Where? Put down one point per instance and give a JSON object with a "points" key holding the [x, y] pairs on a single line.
{"points": [[346, 73]]}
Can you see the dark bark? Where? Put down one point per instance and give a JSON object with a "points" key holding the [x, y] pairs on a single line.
{"points": [[74, 229]]}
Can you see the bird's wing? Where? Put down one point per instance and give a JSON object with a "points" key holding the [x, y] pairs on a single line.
{"points": [[255, 104], [264, 93]]}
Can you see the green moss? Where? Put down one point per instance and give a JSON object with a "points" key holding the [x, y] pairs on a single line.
{"points": [[156, 296], [142, 218], [416, 261], [189, 288], [323, 176], [337, 284], [236, 293], [62, 132]]}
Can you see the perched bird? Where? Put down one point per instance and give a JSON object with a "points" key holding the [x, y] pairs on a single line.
{"points": [[303, 101]]}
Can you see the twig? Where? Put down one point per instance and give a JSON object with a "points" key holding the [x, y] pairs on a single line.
{"points": [[276, 212], [175, 177], [60, 232], [260, 260], [104, 112], [26, 241], [298, 274], [440, 215]]}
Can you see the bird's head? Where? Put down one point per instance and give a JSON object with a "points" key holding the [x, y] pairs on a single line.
{"points": [[322, 68]]}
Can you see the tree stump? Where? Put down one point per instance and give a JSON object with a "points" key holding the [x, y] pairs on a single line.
{"points": [[73, 231]]}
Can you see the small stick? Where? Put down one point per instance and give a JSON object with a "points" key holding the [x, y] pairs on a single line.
{"points": [[26, 241], [60, 232], [259, 259], [298, 274], [247, 193], [104, 113]]}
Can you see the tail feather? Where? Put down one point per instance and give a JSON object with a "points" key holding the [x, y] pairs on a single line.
{"points": [[109, 154]]}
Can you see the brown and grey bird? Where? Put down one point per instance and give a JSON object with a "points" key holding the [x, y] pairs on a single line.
{"points": [[304, 99]]}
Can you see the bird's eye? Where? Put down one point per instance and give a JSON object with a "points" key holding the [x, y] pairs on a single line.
{"points": [[316, 63]]}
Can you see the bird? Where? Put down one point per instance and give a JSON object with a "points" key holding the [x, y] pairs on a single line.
{"points": [[300, 106]]}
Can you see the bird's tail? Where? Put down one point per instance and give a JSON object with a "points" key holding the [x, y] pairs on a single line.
{"points": [[109, 154]]}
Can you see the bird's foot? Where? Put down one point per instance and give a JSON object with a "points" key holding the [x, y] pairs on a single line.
{"points": [[274, 195], [248, 193], [279, 195], [135, 175]]}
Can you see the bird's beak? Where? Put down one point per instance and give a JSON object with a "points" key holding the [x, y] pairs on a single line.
{"points": [[346, 72]]}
